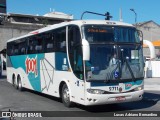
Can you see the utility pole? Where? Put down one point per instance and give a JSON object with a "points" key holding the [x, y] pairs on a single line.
{"points": [[135, 15]]}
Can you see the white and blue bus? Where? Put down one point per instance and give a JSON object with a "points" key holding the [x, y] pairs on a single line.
{"points": [[72, 61]]}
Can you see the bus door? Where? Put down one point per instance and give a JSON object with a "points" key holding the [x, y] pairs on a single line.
{"points": [[76, 61]]}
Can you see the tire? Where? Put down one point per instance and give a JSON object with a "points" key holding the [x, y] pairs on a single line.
{"points": [[19, 84], [65, 94], [0, 70], [0, 73], [14, 82]]}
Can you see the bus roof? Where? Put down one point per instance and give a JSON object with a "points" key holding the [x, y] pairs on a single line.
{"points": [[74, 22]]}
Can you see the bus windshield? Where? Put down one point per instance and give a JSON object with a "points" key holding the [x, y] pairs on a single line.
{"points": [[115, 53], [113, 62], [103, 33]]}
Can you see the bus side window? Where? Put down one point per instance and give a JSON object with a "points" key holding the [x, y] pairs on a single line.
{"points": [[35, 44], [60, 35], [30, 47], [49, 46], [39, 44], [16, 51], [49, 39], [10, 49], [22, 47], [23, 50], [38, 48]]}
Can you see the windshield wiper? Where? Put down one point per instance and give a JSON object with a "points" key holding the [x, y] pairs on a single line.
{"points": [[130, 70]]}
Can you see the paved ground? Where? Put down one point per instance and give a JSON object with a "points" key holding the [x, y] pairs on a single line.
{"points": [[152, 84], [15, 100]]}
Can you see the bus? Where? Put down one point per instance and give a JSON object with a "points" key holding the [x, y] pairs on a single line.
{"points": [[71, 61], [1, 68]]}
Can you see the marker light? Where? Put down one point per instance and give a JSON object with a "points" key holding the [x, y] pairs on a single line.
{"points": [[139, 88]]}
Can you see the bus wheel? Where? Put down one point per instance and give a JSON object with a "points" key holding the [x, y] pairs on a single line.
{"points": [[0, 72], [66, 96], [19, 84], [14, 81]]}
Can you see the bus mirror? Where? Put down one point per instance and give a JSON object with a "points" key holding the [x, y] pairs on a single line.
{"points": [[140, 34], [86, 50]]}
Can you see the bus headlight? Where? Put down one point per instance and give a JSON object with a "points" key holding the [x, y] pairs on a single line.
{"points": [[95, 91], [139, 88]]}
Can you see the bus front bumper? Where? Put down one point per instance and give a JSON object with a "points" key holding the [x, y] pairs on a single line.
{"points": [[99, 99]]}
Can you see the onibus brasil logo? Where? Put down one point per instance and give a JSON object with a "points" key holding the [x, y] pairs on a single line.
{"points": [[31, 65]]}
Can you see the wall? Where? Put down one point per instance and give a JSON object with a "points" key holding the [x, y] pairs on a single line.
{"points": [[9, 30]]}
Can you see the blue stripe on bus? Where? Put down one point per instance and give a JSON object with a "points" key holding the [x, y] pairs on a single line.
{"points": [[20, 62], [59, 60], [35, 80], [128, 85]]}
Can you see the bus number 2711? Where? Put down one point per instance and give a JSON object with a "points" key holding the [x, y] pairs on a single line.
{"points": [[113, 88]]}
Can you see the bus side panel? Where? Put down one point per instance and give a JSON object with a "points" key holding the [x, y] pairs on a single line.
{"points": [[12, 72], [49, 67], [47, 74], [75, 86], [27, 66], [54, 70], [39, 72]]}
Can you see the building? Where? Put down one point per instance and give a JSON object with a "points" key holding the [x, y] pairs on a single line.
{"points": [[151, 32], [150, 29], [14, 25]]}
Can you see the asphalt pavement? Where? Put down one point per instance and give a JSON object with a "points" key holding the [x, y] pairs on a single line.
{"points": [[12, 99], [152, 84]]}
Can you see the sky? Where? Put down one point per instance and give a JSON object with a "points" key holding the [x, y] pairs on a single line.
{"points": [[146, 9]]}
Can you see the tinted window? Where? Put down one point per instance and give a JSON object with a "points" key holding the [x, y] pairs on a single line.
{"points": [[96, 33], [49, 39], [75, 51], [35, 44], [17, 47], [10, 48], [22, 47], [60, 38], [103, 33]]}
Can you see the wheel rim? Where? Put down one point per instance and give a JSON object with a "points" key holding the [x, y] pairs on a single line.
{"points": [[66, 95]]}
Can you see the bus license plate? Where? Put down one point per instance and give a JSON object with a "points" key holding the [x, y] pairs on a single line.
{"points": [[122, 98]]}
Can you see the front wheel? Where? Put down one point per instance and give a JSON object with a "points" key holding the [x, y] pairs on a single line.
{"points": [[14, 82], [0, 73], [66, 96], [19, 84]]}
